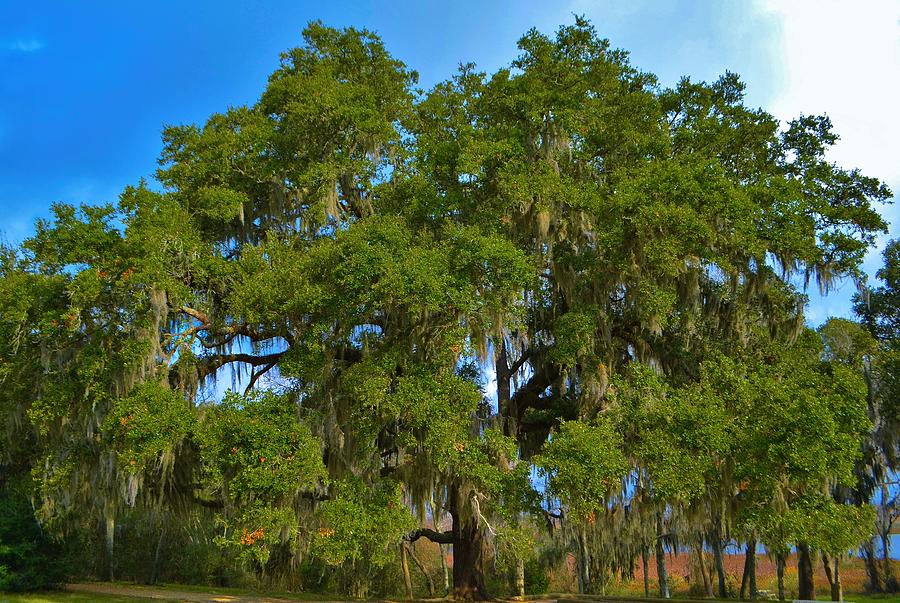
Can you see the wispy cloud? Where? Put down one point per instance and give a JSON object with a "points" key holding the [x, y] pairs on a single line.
{"points": [[25, 45]]}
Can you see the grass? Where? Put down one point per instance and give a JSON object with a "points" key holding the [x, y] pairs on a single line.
{"points": [[872, 598], [228, 590], [62, 597]]}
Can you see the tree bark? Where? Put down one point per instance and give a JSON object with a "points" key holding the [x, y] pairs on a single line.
{"points": [[110, 545], [751, 546], [444, 570], [779, 570], [806, 588], [468, 554], [716, 542], [834, 577], [423, 569], [154, 574], [838, 590], [873, 571], [745, 575], [520, 579], [404, 566], [645, 560], [661, 573], [704, 574], [584, 567]]}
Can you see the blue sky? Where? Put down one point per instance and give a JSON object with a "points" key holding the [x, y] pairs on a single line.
{"points": [[86, 87]]}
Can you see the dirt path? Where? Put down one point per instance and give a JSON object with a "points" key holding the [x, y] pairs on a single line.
{"points": [[151, 592]]}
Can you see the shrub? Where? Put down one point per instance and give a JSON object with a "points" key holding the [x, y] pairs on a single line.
{"points": [[29, 559], [537, 581]]}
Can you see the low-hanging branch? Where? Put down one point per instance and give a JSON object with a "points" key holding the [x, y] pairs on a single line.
{"points": [[432, 535]]}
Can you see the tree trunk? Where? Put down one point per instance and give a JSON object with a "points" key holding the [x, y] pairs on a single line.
{"points": [[779, 570], [834, 577], [837, 593], [873, 571], [504, 392], [412, 555], [704, 574], [444, 570], [110, 545], [154, 574], [745, 575], [468, 554], [584, 563], [645, 560], [661, 574], [404, 566], [716, 542], [806, 588], [520, 579], [751, 546]]}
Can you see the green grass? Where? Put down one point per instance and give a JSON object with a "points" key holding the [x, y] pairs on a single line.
{"points": [[872, 598], [227, 590], [62, 597]]}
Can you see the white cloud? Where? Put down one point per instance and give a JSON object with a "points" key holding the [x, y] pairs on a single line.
{"points": [[843, 58], [25, 45]]}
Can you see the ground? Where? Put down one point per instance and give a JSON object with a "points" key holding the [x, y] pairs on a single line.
{"points": [[125, 593]]}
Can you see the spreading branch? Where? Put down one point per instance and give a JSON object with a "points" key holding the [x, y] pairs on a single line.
{"points": [[432, 535]]}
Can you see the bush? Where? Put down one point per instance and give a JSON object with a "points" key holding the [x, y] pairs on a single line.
{"points": [[29, 559], [537, 581]]}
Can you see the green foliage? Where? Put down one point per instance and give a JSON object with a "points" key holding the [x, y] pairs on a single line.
{"points": [[514, 543], [258, 446], [362, 525], [29, 558], [585, 464], [819, 521], [359, 253], [256, 530], [537, 581], [148, 423]]}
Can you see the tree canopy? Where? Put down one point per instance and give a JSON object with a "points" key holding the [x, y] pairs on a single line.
{"points": [[362, 259]]}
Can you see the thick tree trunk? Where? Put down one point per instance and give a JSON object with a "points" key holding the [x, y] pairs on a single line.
{"points": [[468, 559], [645, 560], [806, 588], [779, 570], [468, 554], [662, 575], [716, 543]]}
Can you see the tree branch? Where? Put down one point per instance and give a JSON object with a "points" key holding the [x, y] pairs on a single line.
{"points": [[256, 375], [432, 535]]}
